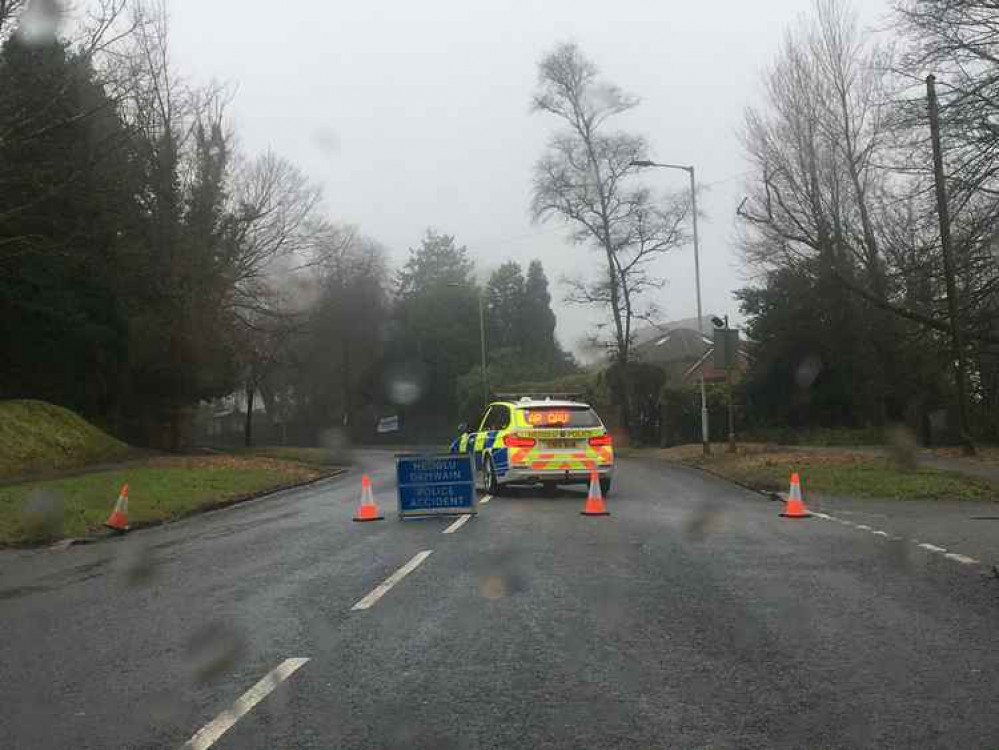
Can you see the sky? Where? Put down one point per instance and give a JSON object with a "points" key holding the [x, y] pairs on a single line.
{"points": [[415, 113]]}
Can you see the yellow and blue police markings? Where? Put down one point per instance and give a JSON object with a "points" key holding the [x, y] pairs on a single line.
{"points": [[480, 443], [528, 452]]}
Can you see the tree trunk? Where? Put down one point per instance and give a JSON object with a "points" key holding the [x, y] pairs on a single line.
{"points": [[248, 424]]}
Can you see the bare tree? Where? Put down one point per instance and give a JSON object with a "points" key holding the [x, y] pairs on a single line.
{"points": [[276, 230], [582, 179], [820, 196], [958, 42], [816, 148]]}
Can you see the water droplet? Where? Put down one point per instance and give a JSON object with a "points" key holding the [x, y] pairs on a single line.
{"points": [[214, 650], [42, 515], [39, 22]]}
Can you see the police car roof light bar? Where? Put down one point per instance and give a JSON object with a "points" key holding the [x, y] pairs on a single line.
{"points": [[545, 396]]}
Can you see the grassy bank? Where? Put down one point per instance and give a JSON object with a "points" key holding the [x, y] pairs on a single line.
{"points": [[160, 489], [834, 472], [39, 437]]}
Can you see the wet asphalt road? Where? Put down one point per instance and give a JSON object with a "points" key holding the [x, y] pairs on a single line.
{"points": [[693, 617]]}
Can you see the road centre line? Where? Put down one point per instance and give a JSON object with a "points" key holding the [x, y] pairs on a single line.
{"points": [[383, 588], [209, 734], [457, 524], [485, 500], [931, 547]]}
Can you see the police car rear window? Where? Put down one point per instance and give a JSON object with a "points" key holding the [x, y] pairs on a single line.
{"points": [[561, 416]]}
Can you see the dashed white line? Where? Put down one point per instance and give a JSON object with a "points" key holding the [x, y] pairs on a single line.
{"points": [[209, 734], [383, 588], [961, 558], [457, 524], [956, 557], [485, 499]]}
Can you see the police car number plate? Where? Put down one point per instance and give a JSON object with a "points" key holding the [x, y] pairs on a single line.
{"points": [[561, 443]]}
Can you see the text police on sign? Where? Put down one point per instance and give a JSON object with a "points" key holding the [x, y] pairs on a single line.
{"points": [[441, 483]]}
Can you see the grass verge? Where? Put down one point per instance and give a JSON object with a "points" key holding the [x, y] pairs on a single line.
{"points": [[834, 473], [161, 489], [36, 436]]}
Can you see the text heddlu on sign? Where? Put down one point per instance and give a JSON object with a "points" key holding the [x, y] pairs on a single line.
{"points": [[435, 484]]}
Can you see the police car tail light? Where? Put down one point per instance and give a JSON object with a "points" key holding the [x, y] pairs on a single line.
{"points": [[601, 441], [518, 441]]}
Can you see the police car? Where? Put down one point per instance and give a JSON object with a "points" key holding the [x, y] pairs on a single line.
{"points": [[537, 439]]}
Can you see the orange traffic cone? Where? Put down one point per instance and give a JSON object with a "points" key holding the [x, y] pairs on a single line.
{"points": [[594, 499], [367, 510], [795, 507], [118, 520]]}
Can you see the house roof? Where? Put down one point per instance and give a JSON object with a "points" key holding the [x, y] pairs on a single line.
{"points": [[656, 330], [677, 344]]}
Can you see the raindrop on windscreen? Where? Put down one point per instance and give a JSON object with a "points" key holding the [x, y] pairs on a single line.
{"points": [[903, 447], [39, 22], [336, 442], [404, 391], [136, 564], [214, 650], [327, 141], [504, 579], [42, 515], [707, 519], [807, 371]]}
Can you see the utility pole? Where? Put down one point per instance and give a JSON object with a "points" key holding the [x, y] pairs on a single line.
{"points": [[956, 338]]}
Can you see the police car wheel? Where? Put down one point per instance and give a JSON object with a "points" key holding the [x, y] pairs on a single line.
{"points": [[492, 485]]}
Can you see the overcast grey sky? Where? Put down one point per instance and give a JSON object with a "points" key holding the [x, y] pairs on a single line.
{"points": [[416, 114]]}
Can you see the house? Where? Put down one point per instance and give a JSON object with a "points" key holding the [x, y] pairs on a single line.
{"points": [[680, 349]]}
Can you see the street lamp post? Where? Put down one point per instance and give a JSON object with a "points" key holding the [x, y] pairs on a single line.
{"points": [[705, 441]]}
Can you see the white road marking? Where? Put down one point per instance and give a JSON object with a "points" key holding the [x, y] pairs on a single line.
{"points": [[485, 500], [961, 558], [457, 524], [209, 734], [956, 557], [383, 588]]}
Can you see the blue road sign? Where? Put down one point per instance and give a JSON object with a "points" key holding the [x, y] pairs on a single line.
{"points": [[435, 484]]}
